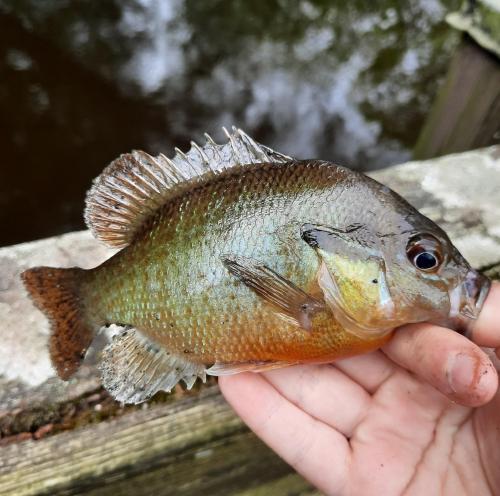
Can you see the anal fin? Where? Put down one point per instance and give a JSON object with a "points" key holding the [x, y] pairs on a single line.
{"points": [[134, 368]]}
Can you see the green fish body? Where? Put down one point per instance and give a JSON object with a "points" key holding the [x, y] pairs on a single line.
{"points": [[235, 257]]}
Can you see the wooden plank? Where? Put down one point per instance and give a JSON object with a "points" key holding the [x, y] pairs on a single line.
{"points": [[195, 446], [466, 113]]}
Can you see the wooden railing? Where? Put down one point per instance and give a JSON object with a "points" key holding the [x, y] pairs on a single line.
{"points": [[72, 438]]}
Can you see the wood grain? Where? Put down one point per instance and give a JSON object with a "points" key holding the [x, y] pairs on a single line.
{"points": [[195, 446]]}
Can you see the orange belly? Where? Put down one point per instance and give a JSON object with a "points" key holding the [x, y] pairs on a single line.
{"points": [[267, 337]]}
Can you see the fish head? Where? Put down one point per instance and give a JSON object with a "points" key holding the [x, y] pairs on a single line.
{"points": [[374, 282], [465, 287]]}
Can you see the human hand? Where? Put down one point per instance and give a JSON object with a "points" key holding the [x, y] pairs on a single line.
{"points": [[421, 416]]}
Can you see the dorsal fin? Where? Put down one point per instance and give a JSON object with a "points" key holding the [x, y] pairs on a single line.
{"points": [[135, 185]]}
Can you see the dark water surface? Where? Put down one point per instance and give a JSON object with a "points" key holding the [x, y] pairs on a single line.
{"points": [[82, 81]]}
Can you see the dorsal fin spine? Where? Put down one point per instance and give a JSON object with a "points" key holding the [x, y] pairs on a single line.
{"points": [[181, 154], [186, 160], [233, 146], [203, 155], [175, 171], [257, 150], [209, 139]]}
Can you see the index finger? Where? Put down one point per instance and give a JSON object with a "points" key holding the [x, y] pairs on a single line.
{"points": [[486, 330]]}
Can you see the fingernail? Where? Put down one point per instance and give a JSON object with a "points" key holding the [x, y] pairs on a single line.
{"points": [[461, 372]]}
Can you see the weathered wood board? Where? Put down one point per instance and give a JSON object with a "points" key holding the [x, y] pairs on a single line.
{"points": [[71, 438], [466, 113], [190, 447]]}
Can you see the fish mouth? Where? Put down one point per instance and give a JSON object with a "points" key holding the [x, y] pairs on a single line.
{"points": [[467, 300]]}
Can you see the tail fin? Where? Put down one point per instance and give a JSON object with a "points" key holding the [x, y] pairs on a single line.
{"points": [[56, 292]]}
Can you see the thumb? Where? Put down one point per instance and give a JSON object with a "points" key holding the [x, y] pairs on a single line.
{"points": [[486, 330]]}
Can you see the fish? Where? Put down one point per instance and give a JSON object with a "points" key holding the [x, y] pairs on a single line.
{"points": [[234, 257]]}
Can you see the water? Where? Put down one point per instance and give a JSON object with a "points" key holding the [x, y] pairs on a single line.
{"points": [[83, 81]]}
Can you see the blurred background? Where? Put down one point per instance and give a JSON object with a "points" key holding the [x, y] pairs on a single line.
{"points": [[83, 81]]}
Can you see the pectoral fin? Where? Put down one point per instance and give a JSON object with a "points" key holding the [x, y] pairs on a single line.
{"points": [[290, 301]]}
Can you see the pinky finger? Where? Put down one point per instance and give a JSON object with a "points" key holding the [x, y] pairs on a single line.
{"points": [[315, 450]]}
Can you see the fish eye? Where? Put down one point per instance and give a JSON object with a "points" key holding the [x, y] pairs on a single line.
{"points": [[425, 253], [425, 261]]}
